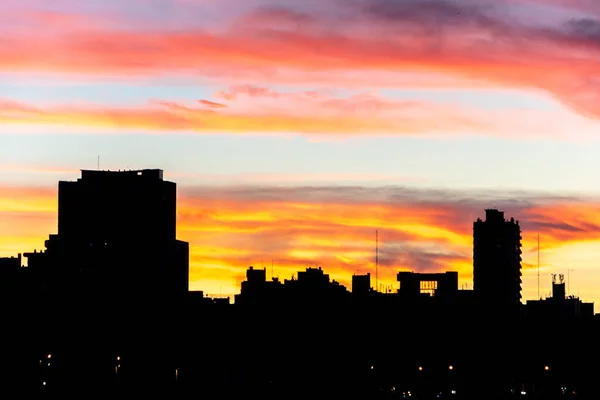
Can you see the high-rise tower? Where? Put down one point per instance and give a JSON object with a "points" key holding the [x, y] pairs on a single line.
{"points": [[497, 259]]}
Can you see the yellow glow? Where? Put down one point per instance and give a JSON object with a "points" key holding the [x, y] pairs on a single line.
{"points": [[228, 234]]}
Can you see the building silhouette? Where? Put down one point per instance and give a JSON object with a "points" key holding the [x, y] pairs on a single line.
{"points": [[560, 306], [361, 284], [434, 285], [497, 260], [116, 239]]}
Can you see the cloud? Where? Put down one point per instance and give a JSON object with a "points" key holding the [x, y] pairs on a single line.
{"points": [[363, 43], [211, 104], [230, 228], [253, 110], [419, 230]]}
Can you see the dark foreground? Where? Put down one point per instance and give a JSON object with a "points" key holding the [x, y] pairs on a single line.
{"points": [[314, 353]]}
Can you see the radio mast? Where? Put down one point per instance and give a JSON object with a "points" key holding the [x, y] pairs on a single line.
{"points": [[538, 266], [376, 260]]}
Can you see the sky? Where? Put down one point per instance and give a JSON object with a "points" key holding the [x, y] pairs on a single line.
{"points": [[296, 129]]}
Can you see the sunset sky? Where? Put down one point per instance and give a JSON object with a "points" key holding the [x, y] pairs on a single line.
{"points": [[297, 128]]}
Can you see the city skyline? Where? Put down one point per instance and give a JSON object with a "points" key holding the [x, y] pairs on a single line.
{"points": [[382, 265], [296, 130], [105, 325]]}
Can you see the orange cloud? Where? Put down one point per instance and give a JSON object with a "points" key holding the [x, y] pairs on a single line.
{"points": [[334, 227], [259, 110], [370, 40]]}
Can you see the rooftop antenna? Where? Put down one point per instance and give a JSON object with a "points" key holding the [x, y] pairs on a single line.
{"points": [[538, 266], [377, 260], [98, 163]]}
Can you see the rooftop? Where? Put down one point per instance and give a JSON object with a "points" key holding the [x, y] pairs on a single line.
{"points": [[108, 174]]}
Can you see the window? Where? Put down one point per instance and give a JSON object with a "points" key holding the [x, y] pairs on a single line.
{"points": [[428, 287]]}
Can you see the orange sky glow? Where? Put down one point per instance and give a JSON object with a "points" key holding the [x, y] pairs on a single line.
{"points": [[286, 230]]}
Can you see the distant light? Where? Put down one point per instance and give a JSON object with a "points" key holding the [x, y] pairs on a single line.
{"points": [[547, 368], [48, 364], [371, 367], [453, 391], [523, 393], [451, 368], [118, 358], [420, 368], [49, 355], [44, 383]]}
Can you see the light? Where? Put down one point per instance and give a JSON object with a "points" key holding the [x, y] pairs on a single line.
{"points": [[49, 356], [118, 358], [523, 393], [44, 383], [453, 391], [547, 368], [451, 368], [420, 368], [372, 367]]}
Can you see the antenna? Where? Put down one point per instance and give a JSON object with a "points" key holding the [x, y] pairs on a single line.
{"points": [[272, 275], [98, 163], [377, 259], [538, 266]]}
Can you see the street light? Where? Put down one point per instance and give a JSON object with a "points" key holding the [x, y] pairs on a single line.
{"points": [[420, 368], [451, 368], [546, 368]]}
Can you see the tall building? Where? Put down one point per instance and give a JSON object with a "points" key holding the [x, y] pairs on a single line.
{"points": [[117, 235], [497, 259]]}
